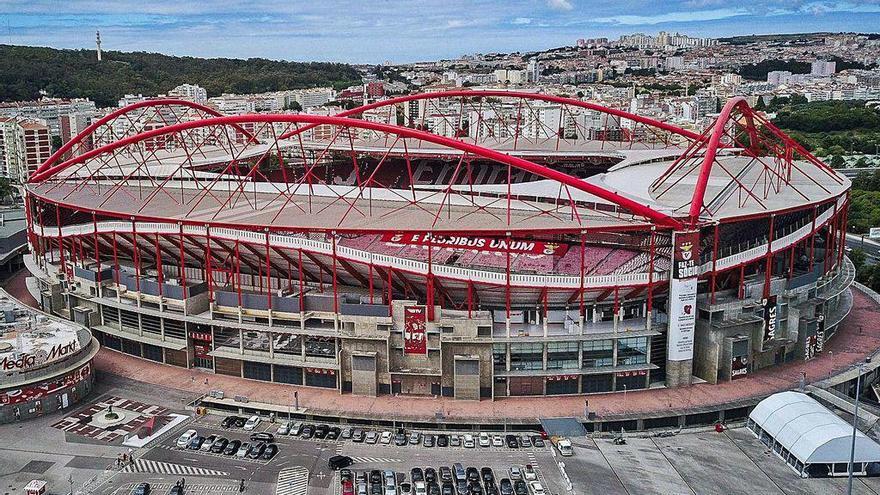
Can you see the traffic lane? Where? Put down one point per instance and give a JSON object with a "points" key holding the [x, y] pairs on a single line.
{"points": [[870, 247]]}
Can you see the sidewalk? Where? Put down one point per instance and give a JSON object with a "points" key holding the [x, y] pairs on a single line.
{"points": [[849, 346]]}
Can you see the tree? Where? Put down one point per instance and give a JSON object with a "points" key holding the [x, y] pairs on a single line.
{"points": [[293, 105], [837, 162], [56, 143]]}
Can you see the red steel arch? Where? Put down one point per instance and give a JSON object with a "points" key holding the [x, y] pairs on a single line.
{"points": [[515, 94], [632, 206], [158, 102], [750, 121]]}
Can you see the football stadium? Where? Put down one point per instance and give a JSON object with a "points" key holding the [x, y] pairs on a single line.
{"points": [[469, 244]]}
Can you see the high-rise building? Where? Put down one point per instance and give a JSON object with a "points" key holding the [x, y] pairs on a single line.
{"points": [[9, 155], [35, 147], [822, 68], [375, 89], [191, 92]]}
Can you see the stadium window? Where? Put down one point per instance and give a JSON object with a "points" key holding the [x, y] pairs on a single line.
{"points": [[632, 351], [598, 353]]}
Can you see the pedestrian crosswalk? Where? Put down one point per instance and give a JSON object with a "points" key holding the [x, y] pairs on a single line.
{"points": [[292, 481], [374, 460], [147, 466]]}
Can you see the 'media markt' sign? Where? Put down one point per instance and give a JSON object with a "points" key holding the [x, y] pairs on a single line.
{"points": [[25, 361]]}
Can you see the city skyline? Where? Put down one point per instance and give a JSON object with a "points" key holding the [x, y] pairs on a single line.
{"points": [[403, 31]]}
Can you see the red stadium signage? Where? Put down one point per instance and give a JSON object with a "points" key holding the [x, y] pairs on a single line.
{"points": [[415, 337], [32, 392], [478, 243]]}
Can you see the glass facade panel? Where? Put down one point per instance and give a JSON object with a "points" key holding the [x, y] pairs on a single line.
{"points": [[321, 347], [255, 341], [632, 351], [499, 357], [598, 353], [526, 356], [285, 343], [562, 355]]}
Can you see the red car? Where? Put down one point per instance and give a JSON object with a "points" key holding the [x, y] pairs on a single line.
{"points": [[347, 488]]}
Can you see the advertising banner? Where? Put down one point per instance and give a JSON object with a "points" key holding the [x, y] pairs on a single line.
{"points": [[415, 337], [739, 367], [771, 318], [683, 296], [815, 343], [479, 243], [31, 392]]}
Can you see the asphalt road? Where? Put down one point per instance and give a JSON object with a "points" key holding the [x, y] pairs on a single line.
{"points": [[870, 247]]}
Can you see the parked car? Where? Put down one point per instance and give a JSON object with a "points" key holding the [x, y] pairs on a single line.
{"points": [[184, 439], [270, 452], [525, 441], [347, 488], [442, 440], [308, 431], [141, 489], [347, 433], [206, 445], [473, 476], [445, 474], [430, 475], [537, 441], [256, 450], [537, 488], [229, 422], [447, 489], [263, 436], [232, 447], [497, 441], [358, 436], [372, 437], [321, 431], [454, 441], [219, 445], [468, 441], [415, 438], [405, 489], [506, 487], [176, 490], [243, 449], [428, 441], [520, 488], [284, 428], [515, 473], [196, 442], [252, 423], [512, 442], [487, 475], [400, 439], [416, 474], [376, 476], [385, 438], [485, 441], [529, 473], [334, 433], [296, 429]]}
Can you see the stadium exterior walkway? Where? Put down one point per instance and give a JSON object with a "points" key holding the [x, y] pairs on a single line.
{"points": [[858, 337]]}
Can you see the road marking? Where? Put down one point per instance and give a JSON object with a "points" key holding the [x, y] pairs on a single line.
{"points": [[376, 460], [147, 466], [292, 481]]}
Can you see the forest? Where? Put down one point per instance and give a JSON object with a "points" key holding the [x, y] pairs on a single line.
{"points": [[25, 72]]}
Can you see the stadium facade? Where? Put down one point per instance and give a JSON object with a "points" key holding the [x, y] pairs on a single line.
{"points": [[469, 244]]}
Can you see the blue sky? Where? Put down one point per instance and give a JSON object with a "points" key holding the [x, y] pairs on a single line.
{"points": [[372, 31]]}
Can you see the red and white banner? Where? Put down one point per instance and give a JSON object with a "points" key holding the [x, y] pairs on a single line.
{"points": [[479, 243], [31, 392], [415, 337]]}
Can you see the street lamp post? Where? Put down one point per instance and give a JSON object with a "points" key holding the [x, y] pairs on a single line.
{"points": [[852, 447]]}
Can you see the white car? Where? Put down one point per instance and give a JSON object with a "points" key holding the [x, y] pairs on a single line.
{"points": [[515, 473], [252, 423], [420, 488], [537, 488], [497, 441], [242, 451], [184, 439], [284, 428], [296, 429], [468, 441], [485, 441], [386, 437], [208, 443], [529, 473]]}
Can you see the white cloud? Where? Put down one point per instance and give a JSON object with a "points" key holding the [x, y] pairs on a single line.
{"points": [[519, 21], [643, 20], [560, 4]]}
